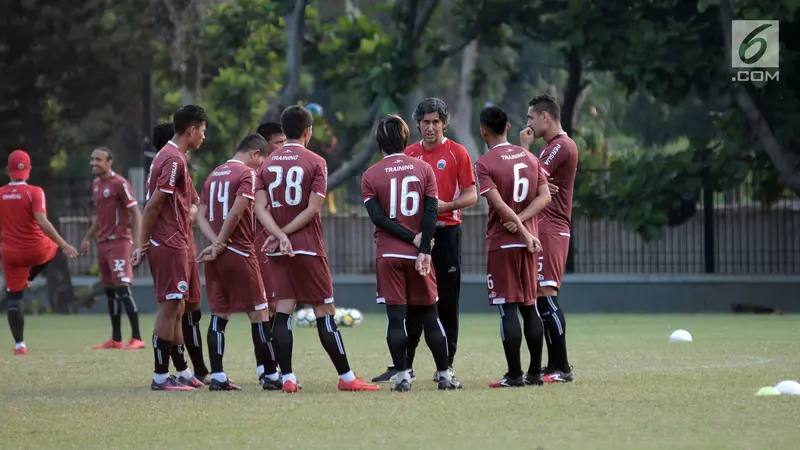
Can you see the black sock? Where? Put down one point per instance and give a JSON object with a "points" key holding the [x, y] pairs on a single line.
{"points": [[125, 298], [435, 337], [555, 328], [262, 345], [283, 340], [115, 314], [161, 350], [533, 330], [396, 337], [16, 319], [414, 324], [216, 342], [332, 342], [190, 323], [178, 357], [511, 334]]}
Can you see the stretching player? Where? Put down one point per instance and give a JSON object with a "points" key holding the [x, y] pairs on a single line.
{"points": [[294, 186], [509, 178], [29, 240], [115, 226], [233, 279], [558, 161], [400, 195], [165, 225], [192, 340]]}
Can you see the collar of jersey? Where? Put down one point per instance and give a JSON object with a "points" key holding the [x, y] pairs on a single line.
{"points": [[234, 161], [292, 144], [17, 183], [440, 143]]}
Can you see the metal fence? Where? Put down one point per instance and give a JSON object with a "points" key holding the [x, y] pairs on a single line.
{"points": [[734, 235]]}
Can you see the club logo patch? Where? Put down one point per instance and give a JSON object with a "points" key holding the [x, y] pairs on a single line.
{"points": [[20, 166], [106, 193], [183, 286], [440, 164]]}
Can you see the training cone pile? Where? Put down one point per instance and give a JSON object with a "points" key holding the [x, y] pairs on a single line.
{"points": [[680, 336], [767, 391]]}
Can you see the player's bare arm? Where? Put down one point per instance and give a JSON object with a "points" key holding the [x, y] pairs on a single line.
{"points": [[235, 214], [508, 215], [526, 137], [275, 232], [306, 216], [86, 243], [201, 219], [136, 224], [536, 206], [49, 230], [467, 198], [193, 213], [149, 217]]}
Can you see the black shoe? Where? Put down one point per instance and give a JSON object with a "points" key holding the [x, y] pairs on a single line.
{"points": [[508, 381], [223, 386], [448, 385], [450, 369], [402, 386], [270, 385], [533, 379], [386, 377]]}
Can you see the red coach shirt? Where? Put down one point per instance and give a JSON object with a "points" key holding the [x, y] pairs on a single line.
{"points": [[226, 182], [559, 161], [400, 183], [168, 174], [452, 167], [113, 198], [290, 177], [20, 231], [515, 173]]}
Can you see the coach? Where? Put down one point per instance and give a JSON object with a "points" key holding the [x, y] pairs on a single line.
{"points": [[455, 181]]}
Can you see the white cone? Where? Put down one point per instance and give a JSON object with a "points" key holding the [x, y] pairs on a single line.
{"points": [[680, 336], [788, 387]]}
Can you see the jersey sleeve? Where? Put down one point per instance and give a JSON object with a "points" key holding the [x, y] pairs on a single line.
{"points": [[485, 181], [259, 184], [466, 177], [126, 194], [247, 185], [195, 196], [319, 184], [367, 191], [554, 155], [430, 182], [542, 176], [38, 201], [168, 174]]}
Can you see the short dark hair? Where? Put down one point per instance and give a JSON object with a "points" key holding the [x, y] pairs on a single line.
{"points": [[432, 105], [392, 134], [162, 133], [253, 141], [546, 103], [295, 120], [109, 155], [494, 119], [189, 116], [269, 129]]}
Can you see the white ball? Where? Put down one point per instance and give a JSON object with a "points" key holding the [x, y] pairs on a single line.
{"points": [[356, 316], [337, 316], [305, 318], [680, 336], [788, 387], [350, 317]]}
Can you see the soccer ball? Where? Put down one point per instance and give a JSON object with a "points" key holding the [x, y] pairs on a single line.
{"points": [[305, 318], [351, 318], [337, 316]]}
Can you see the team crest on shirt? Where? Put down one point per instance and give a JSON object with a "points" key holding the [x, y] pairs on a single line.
{"points": [[183, 286], [106, 193], [96, 188], [440, 164]]}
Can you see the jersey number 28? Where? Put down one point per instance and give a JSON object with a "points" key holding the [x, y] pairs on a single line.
{"points": [[406, 196], [294, 182]]}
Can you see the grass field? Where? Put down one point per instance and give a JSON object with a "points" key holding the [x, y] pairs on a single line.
{"points": [[634, 390]]}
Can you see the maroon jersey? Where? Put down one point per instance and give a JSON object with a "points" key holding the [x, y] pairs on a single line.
{"points": [[225, 183], [515, 173], [400, 183], [168, 174], [290, 177], [113, 198], [559, 161]]}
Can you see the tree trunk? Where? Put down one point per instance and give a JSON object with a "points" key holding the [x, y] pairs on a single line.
{"points": [[575, 86], [785, 162], [462, 119], [60, 294], [295, 27]]}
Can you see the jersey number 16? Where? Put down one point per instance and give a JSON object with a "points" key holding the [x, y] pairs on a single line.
{"points": [[406, 196]]}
